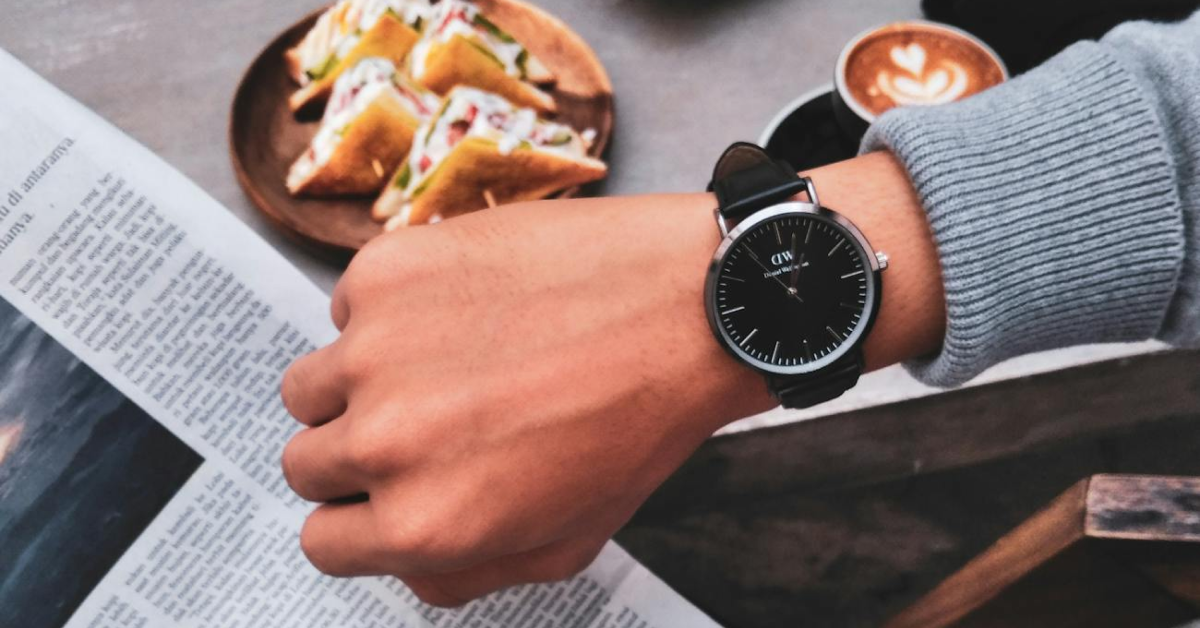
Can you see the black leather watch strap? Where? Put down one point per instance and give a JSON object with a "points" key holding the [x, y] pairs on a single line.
{"points": [[746, 180], [805, 391]]}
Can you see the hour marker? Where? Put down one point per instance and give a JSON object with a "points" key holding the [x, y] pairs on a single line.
{"points": [[778, 236], [775, 353], [850, 306], [732, 278], [748, 337], [853, 274], [835, 335], [736, 309], [808, 351], [808, 234], [836, 247]]}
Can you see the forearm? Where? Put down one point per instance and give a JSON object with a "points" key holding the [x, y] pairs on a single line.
{"points": [[874, 192]]}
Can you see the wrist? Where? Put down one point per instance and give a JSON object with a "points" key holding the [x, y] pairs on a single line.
{"points": [[875, 193]]}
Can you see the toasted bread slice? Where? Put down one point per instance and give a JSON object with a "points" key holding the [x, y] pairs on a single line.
{"points": [[389, 38], [477, 165], [461, 46], [461, 61], [370, 149], [367, 132], [480, 147]]}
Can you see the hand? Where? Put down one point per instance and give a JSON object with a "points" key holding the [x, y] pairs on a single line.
{"points": [[511, 385], [797, 262], [508, 388]]}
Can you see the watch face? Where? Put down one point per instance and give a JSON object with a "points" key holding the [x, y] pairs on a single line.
{"points": [[791, 292]]}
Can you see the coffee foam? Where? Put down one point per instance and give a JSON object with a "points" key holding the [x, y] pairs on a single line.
{"points": [[915, 63]]}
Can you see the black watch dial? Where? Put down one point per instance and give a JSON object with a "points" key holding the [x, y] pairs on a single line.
{"points": [[791, 290]]}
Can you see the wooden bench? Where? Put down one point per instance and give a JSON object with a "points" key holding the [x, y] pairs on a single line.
{"points": [[1114, 550]]}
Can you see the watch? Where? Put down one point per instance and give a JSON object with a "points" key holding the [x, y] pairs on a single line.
{"points": [[794, 287]]}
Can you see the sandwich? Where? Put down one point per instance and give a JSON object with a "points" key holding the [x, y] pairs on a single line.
{"points": [[460, 46], [349, 31], [481, 150], [367, 130]]}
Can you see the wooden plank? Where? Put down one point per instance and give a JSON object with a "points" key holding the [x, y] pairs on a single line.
{"points": [[1115, 550], [1159, 520], [948, 431], [1143, 507], [1081, 587], [1036, 542]]}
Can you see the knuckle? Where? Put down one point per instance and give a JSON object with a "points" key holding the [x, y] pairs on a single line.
{"points": [[288, 463], [424, 544], [314, 550], [370, 448], [565, 565], [293, 471], [561, 569], [291, 386], [403, 543], [380, 259], [434, 595], [357, 354]]}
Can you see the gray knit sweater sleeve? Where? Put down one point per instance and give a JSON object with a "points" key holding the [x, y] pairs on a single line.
{"points": [[1065, 202]]}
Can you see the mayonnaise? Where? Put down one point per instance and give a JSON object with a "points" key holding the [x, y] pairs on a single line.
{"points": [[453, 17], [479, 114], [341, 28], [355, 91]]}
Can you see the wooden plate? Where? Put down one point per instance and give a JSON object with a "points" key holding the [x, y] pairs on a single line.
{"points": [[265, 138]]}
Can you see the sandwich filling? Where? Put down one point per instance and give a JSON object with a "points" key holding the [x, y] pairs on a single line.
{"points": [[339, 30], [472, 113], [355, 91], [454, 17]]}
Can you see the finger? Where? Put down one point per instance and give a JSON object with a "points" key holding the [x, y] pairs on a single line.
{"points": [[342, 540], [430, 591], [317, 464], [312, 390], [551, 563], [339, 309]]}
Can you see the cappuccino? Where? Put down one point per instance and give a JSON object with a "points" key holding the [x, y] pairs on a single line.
{"points": [[913, 63]]}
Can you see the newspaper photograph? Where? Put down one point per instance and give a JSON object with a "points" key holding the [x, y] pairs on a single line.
{"points": [[83, 472]]}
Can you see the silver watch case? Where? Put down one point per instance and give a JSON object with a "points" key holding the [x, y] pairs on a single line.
{"points": [[877, 262]]}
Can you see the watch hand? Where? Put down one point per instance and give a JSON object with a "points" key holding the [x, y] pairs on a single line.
{"points": [[796, 261], [791, 291]]}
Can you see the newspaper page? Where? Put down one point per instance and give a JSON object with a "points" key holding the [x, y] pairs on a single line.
{"points": [[143, 334]]}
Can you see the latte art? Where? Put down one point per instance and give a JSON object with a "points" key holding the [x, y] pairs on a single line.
{"points": [[916, 86], [914, 63]]}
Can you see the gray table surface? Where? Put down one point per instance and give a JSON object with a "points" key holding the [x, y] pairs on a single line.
{"points": [[690, 76]]}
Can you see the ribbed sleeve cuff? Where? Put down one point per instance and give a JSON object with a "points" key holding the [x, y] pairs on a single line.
{"points": [[1052, 204]]}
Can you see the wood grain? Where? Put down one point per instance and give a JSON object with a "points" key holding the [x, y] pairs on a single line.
{"points": [[265, 138], [1046, 535], [1147, 508], [1082, 561]]}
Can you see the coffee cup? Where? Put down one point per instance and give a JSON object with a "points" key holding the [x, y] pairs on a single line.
{"points": [[909, 63]]}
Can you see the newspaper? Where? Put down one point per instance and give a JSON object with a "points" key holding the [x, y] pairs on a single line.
{"points": [[143, 334]]}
